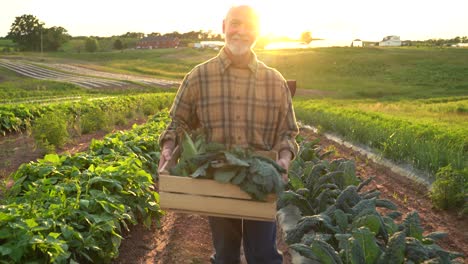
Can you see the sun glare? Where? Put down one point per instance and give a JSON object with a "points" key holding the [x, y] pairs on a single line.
{"points": [[275, 22]]}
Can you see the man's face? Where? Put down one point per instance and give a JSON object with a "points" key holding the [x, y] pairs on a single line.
{"points": [[241, 29]]}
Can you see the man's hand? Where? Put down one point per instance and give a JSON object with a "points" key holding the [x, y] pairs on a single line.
{"points": [[166, 153], [284, 160]]}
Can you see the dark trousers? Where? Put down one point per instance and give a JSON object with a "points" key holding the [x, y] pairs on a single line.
{"points": [[259, 241]]}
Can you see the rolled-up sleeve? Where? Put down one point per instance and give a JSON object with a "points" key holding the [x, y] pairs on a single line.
{"points": [[183, 111], [287, 128]]}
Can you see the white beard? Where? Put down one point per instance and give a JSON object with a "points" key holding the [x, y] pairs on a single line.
{"points": [[238, 49]]}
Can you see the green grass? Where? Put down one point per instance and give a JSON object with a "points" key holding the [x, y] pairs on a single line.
{"points": [[160, 63], [384, 73], [378, 73], [6, 43]]}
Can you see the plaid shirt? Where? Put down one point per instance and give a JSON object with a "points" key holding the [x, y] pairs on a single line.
{"points": [[237, 107]]}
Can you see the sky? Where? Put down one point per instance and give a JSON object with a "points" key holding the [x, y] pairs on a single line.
{"points": [[369, 20]]}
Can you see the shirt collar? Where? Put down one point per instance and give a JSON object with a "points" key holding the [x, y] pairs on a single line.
{"points": [[225, 62]]}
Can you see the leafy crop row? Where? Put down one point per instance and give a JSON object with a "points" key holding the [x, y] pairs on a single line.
{"points": [[74, 208], [342, 223], [425, 145], [16, 118], [428, 146]]}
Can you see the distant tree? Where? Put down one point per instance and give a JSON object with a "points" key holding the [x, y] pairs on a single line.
{"points": [[192, 35], [26, 32], [91, 45], [54, 38], [78, 44], [154, 34], [29, 33], [137, 35], [218, 37], [118, 45], [174, 34], [306, 37]]}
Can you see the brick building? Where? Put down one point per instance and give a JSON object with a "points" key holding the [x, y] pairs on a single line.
{"points": [[157, 42]]}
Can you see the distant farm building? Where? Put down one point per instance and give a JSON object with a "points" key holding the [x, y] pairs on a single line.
{"points": [[356, 43], [461, 45], [390, 41], [208, 44], [158, 42]]}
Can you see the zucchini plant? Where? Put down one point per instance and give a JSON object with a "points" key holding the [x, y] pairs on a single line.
{"points": [[74, 208]]}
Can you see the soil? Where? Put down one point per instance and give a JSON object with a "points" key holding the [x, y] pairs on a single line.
{"points": [[183, 238]]}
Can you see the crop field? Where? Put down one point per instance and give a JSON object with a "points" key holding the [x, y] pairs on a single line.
{"points": [[409, 105], [425, 88]]}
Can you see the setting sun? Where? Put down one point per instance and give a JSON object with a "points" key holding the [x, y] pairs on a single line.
{"points": [[279, 20]]}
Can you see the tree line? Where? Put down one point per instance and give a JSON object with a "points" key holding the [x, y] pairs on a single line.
{"points": [[439, 42], [30, 34]]}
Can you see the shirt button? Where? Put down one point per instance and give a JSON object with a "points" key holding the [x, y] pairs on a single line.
{"points": [[237, 117], [238, 138], [238, 97]]}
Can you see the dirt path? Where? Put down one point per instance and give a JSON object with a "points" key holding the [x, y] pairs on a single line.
{"points": [[182, 238]]}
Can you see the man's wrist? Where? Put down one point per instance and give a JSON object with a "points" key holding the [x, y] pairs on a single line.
{"points": [[285, 154]]}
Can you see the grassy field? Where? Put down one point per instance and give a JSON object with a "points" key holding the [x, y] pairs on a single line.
{"points": [[160, 63], [6, 43], [380, 73], [425, 89], [385, 73]]}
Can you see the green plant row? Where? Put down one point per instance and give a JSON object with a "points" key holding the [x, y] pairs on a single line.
{"points": [[342, 223], [74, 208], [426, 145], [16, 118]]}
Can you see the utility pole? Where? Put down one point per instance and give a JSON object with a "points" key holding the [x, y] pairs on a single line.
{"points": [[41, 41]]}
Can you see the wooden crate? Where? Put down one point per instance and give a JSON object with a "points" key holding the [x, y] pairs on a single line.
{"points": [[209, 197]]}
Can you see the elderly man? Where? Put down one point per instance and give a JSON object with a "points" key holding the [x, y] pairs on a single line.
{"points": [[236, 100]]}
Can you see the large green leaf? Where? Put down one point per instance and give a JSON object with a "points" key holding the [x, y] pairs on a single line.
{"points": [[325, 253], [240, 176], [201, 171], [233, 160], [306, 251], [370, 221], [344, 244], [367, 242], [224, 174], [395, 252], [412, 226], [341, 219]]}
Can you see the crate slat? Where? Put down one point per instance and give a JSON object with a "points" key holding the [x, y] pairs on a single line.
{"points": [[218, 206], [205, 187], [209, 197]]}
